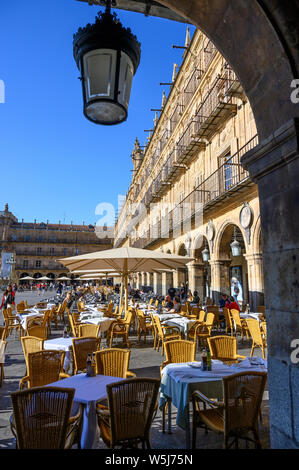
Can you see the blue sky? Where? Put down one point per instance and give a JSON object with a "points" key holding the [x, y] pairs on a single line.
{"points": [[55, 164]]}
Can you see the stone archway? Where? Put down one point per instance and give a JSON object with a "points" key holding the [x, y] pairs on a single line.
{"points": [[232, 269]]}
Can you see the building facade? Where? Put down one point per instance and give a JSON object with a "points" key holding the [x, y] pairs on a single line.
{"points": [[189, 193], [36, 247]]}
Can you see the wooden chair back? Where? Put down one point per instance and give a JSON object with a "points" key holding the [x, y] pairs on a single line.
{"points": [[38, 331], [46, 425], [113, 362], [223, 348], [81, 348], [255, 331], [177, 351], [31, 344], [89, 330], [44, 367], [132, 404]]}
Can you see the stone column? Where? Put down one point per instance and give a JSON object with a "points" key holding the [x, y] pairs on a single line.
{"points": [[167, 282], [197, 279], [157, 283], [150, 281], [274, 166], [255, 280], [220, 282], [143, 279]]}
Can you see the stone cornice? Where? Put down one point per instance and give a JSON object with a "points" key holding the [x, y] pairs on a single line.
{"points": [[277, 150]]}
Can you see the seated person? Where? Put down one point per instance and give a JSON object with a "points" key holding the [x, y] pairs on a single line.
{"points": [[195, 297], [224, 301], [189, 296], [168, 302], [176, 305], [233, 304]]}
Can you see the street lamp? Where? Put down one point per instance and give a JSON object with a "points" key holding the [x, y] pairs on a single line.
{"points": [[107, 56], [205, 254], [235, 245]]}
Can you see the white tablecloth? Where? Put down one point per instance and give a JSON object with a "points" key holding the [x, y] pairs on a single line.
{"points": [[61, 344], [88, 390], [24, 318], [183, 323], [256, 316], [179, 381], [99, 320]]}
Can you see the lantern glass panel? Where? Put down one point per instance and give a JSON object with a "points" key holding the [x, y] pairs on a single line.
{"points": [[125, 79], [99, 73]]}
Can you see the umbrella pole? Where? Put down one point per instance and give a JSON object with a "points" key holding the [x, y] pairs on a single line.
{"points": [[126, 284], [121, 292]]}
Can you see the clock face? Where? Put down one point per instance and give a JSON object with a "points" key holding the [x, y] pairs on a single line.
{"points": [[245, 216]]}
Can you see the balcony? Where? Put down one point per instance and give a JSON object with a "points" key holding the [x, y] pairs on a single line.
{"points": [[228, 179]]}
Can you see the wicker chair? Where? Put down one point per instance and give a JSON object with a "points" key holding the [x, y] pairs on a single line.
{"points": [[205, 330], [165, 333], [43, 368], [11, 322], [128, 420], [80, 306], [113, 362], [224, 348], [261, 309], [258, 340], [144, 325], [214, 309], [3, 345], [38, 331], [42, 418], [155, 330], [34, 321], [120, 328], [31, 344], [3, 332], [195, 328], [264, 330], [89, 330], [237, 415], [177, 351], [81, 348], [47, 319], [240, 325], [229, 326], [21, 307]]}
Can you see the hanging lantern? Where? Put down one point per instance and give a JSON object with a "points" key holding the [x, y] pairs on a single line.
{"points": [[107, 56], [235, 246], [205, 254]]}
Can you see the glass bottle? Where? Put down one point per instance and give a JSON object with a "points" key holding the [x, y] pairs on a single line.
{"points": [[204, 365], [209, 360], [93, 364]]}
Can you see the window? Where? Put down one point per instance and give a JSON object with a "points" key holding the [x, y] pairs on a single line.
{"points": [[39, 250], [228, 172], [64, 251], [51, 251], [40, 238], [27, 238], [76, 251], [38, 264], [25, 263]]}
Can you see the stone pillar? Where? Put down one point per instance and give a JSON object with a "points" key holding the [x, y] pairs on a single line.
{"points": [[167, 282], [274, 166], [157, 283], [143, 279], [197, 279], [181, 276], [150, 281], [255, 280], [220, 282]]}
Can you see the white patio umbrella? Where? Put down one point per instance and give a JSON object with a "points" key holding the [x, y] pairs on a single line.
{"points": [[126, 260], [44, 278], [26, 278], [63, 278]]}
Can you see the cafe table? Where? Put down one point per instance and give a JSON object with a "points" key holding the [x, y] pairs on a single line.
{"points": [[179, 381], [62, 344], [183, 323], [24, 317], [254, 315], [88, 390]]}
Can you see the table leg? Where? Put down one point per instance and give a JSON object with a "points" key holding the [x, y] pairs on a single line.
{"points": [[169, 415], [188, 446]]}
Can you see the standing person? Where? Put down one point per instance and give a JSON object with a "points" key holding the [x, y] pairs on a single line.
{"points": [[59, 288], [8, 299], [171, 292], [195, 297], [182, 291]]}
